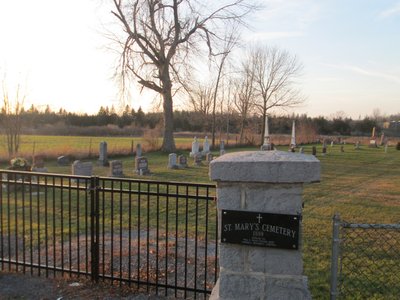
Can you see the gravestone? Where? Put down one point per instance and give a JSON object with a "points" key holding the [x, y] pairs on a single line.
{"points": [[40, 170], [38, 161], [372, 141], [82, 169], [331, 143], [301, 150], [138, 150], [221, 148], [357, 146], [116, 169], [342, 148], [197, 159], [382, 142], [209, 157], [260, 224], [195, 147], [103, 160], [141, 166], [314, 150], [172, 161], [324, 147], [182, 161], [293, 138], [206, 146], [266, 146], [63, 160]]}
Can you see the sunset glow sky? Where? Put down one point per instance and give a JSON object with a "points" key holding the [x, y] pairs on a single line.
{"points": [[350, 51]]}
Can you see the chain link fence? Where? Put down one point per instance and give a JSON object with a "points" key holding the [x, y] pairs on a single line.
{"points": [[365, 261]]}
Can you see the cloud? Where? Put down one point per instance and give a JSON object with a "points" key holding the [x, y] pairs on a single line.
{"points": [[367, 72], [274, 35], [391, 11]]}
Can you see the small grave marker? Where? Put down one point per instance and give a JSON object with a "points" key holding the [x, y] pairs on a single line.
{"points": [[116, 169], [103, 161], [172, 161], [209, 157], [195, 148], [63, 160], [138, 150], [198, 159], [221, 148], [206, 146], [141, 166], [182, 161]]}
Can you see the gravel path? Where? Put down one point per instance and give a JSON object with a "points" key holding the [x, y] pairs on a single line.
{"points": [[20, 286]]}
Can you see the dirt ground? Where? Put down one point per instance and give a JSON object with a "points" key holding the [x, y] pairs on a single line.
{"points": [[24, 286]]}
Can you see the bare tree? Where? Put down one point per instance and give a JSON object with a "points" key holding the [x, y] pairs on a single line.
{"points": [[275, 73], [159, 37], [220, 60], [244, 95], [11, 120], [200, 97]]}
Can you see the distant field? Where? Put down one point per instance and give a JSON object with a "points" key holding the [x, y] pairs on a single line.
{"points": [[80, 146], [361, 185]]}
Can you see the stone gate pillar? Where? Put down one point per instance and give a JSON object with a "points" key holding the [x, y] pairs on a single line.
{"points": [[259, 212]]}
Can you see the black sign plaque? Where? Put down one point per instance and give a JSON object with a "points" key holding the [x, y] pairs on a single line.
{"points": [[260, 229]]}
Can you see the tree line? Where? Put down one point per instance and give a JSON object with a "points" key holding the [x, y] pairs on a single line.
{"points": [[227, 122]]}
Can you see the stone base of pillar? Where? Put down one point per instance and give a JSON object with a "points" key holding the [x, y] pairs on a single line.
{"points": [[238, 286]]}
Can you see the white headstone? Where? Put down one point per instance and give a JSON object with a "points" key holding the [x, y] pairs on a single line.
{"points": [[195, 147], [172, 161], [293, 138], [267, 142], [206, 146]]}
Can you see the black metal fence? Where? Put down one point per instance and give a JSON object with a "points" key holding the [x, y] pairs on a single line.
{"points": [[158, 236], [365, 261]]}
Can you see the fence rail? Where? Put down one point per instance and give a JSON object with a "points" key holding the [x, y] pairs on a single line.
{"points": [[365, 260], [159, 236]]}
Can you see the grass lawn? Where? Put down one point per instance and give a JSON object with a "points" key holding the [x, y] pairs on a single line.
{"points": [[362, 185]]}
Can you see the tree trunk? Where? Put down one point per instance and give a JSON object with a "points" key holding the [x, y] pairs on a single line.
{"points": [[241, 131], [263, 129], [168, 144]]}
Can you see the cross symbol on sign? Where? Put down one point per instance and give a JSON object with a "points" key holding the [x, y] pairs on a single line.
{"points": [[259, 218]]}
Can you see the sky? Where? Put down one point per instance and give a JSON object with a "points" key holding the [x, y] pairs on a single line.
{"points": [[350, 50]]}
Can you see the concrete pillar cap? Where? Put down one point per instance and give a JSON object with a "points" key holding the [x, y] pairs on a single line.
{"points": [[266, 166]]}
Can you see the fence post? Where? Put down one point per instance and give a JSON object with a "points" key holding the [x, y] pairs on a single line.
{"points": [[94, 227], [335, 255]]}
